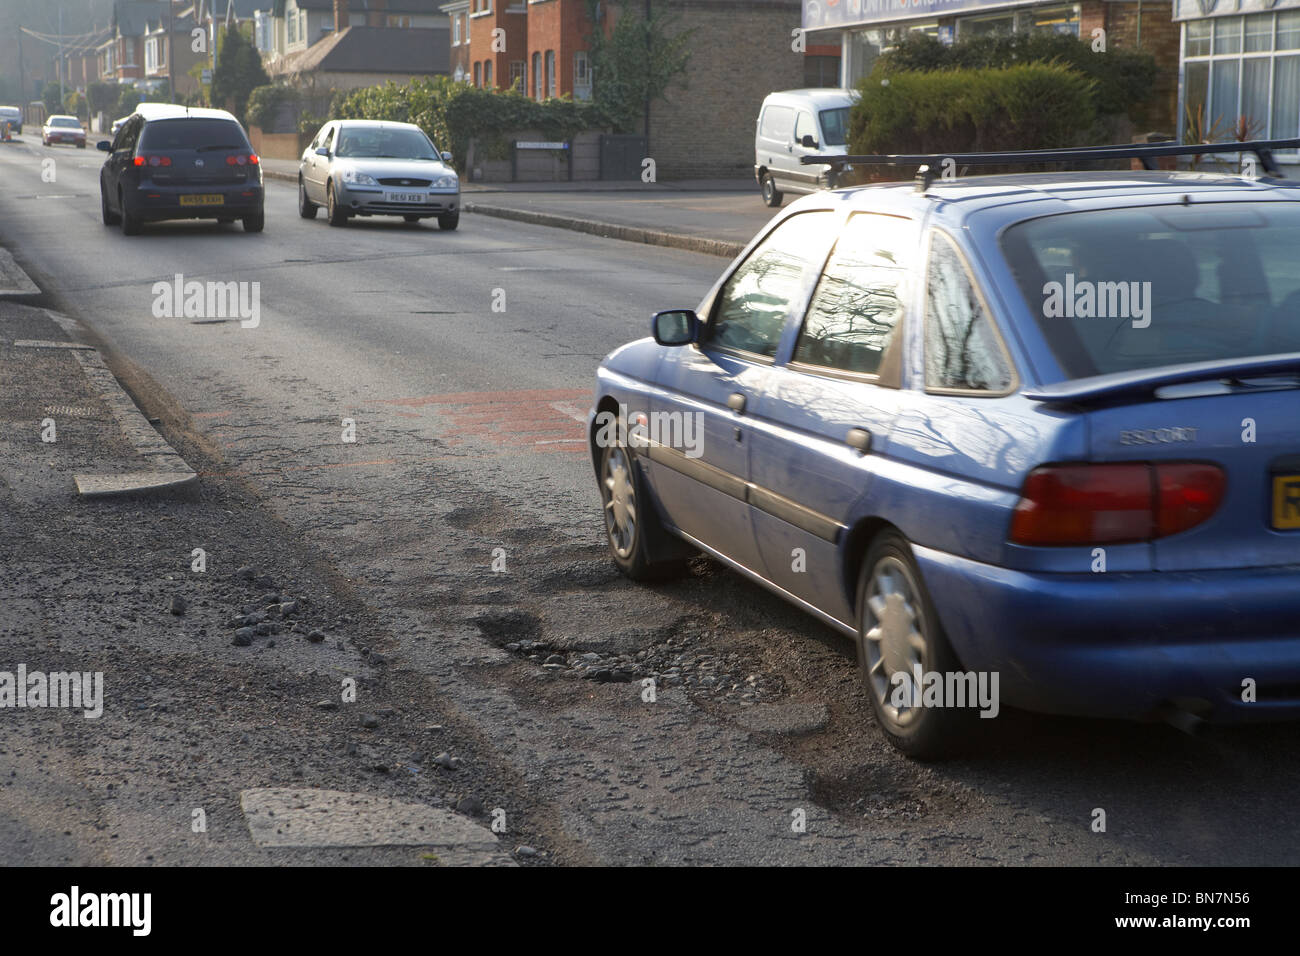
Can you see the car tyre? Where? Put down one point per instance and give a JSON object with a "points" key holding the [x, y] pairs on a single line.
{"points": [[131, 225], [333, 211], [642, 548], [898, 625], [110, 218], [771, 195], [255, 222], [306, 208], [449, 221]]}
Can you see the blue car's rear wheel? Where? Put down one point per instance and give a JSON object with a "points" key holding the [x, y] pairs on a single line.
{"points": [[899, 638], [638, 542]]}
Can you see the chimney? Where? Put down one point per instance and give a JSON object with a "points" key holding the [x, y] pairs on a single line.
{"points": [[378, 13], [340, 15]]}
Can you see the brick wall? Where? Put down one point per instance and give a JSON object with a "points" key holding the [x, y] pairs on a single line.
{"points": [[1160, 38], [560, 26], [740, 52], [480, 41]]}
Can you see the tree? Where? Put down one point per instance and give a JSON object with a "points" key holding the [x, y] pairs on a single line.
{"points": [[128, 99], [239, 71], [53, 99], [102, 96], [634, 65]]}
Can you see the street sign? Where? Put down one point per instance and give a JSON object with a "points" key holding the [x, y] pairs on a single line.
{"points": [[207, 76]]}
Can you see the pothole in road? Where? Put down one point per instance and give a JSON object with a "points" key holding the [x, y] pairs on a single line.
{"points": [[682, 654], [876, 792]]}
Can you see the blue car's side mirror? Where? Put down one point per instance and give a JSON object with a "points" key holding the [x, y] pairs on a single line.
{"points": [[322, 151], [675, 327], [104, 146]]}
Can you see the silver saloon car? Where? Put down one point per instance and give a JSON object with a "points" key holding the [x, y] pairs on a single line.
{"points": [[374, 168]]}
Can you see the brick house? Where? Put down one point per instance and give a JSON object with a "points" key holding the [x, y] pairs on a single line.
{"points": [[367, 43], [460, 64], [298, 24]]}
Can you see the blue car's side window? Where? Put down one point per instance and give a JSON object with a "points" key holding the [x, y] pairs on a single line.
{"points": [[858, 306], [754, 302], [962, 350]]}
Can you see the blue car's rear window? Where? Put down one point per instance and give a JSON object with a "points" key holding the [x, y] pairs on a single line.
{"points": [[1120, 289]]}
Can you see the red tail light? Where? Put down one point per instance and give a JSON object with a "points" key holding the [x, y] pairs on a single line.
{"points": [[252, 159], [241, 160], [153, 160], [1114, 503]]}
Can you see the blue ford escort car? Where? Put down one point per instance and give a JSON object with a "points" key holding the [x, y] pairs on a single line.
{"points": [[1043, 428]]}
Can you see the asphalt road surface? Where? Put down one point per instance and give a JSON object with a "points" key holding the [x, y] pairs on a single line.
{"points": [[464, 361]]}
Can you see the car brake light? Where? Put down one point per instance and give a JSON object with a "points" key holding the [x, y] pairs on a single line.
{"points": [[139, 161], [252, 159], [1188, 494], [152, 161], [1114, 503], [241, 160]]}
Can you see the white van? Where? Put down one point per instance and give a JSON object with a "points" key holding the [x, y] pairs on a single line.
{"points": [[792, 125]]}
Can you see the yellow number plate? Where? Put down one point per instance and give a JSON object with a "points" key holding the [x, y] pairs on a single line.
{"points": [[1286, 502], [202, 200]]}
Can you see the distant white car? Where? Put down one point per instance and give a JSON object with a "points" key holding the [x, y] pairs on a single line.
{"points": [[63, 129]]}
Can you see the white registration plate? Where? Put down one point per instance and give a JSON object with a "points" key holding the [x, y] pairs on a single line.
{"points": [[403, 197]]}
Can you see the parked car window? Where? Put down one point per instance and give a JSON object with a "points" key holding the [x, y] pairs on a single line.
{"points": [[962, 349], [778, 121], [65, 121], [754, 302], [327, 140], [804, 127], [858, 306], [1115, 290], [835, 126]]}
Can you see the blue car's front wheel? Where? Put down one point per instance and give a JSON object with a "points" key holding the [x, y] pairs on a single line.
{"points": [[638, 542]]}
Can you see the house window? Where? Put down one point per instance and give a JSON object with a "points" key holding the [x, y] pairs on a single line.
{"points": [[151, 55], [1241, 75], [398, 21], [519, 75], [455, 30], [487, 73], [478, 74], [293, 30], [537, 75], [581, 76], [550, 73]]}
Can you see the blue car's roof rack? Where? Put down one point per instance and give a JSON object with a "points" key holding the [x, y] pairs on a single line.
{"points": [[1147, 152]]}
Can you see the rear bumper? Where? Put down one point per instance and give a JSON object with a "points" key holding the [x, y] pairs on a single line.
{"points": [[1126, 645], [370, 201], [152, 203]]}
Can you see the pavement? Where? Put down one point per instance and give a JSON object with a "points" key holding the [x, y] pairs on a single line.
{"points": [[709, 216]]}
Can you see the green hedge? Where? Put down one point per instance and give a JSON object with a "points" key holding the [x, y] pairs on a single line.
{"points": [[452, 113], [1031, 106], [1124, 79]]}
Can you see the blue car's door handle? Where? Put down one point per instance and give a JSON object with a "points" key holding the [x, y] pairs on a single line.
{"points": [[736, 402], [859, 438]]}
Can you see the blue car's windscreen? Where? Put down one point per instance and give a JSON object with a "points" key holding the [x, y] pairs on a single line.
{"points": [[1120, 289]]}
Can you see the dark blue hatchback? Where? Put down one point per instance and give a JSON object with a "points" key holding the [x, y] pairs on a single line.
{"points": [[1032, 439]]}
